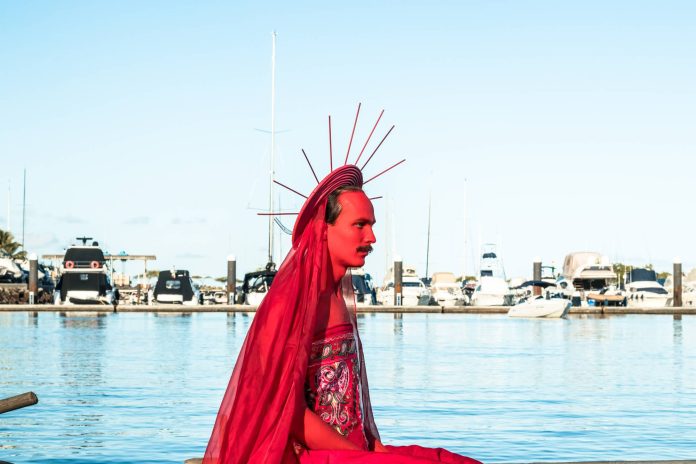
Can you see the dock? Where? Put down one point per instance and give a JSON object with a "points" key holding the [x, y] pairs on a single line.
{"points": [[174, 308]]}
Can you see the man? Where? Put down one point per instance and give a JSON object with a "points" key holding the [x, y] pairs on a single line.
{"points": [[266, 416]]}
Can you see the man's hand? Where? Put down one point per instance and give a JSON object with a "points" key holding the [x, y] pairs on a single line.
{"points": [[380, 448]]}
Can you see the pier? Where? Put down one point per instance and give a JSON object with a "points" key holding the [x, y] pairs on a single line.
{"points": [[170, 308]]}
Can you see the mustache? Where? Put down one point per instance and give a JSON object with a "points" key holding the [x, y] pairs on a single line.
{"points": [[366, 249]]}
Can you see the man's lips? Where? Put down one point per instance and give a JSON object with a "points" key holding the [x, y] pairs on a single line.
{"points": [[366, 250]]}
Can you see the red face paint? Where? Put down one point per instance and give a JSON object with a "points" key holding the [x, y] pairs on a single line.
{"points": [[351, 237]]}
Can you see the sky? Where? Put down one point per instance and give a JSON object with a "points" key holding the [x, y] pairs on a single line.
{"points": [[544, 127]]}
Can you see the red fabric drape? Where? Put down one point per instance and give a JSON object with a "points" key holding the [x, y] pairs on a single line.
{"points": [[266, 389]]}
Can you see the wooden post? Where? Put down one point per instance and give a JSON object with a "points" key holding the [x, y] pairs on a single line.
{"points": [[33, 277], [677, 283], [19, 401], [536, 274], [398, 282], [231, 279]]}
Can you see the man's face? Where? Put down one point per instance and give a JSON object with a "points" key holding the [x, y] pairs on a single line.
{"points": [[350, 237]]}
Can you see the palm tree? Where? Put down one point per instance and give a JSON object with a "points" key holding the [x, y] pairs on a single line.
{"points": [[9, 246]]}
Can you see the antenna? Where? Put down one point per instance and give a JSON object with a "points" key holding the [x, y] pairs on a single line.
{"points": [[83, 239]]}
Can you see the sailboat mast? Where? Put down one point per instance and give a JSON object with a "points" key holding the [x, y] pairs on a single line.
{"points": [[24, 206], [9, 204], [427, 247], [272, 166], [465, 226]]}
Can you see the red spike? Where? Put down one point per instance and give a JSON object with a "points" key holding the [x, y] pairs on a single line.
{"points": [[352, 134], [277, 214], [388, 169], [292, 190], [330, 148], [375, 151], [369, 137], [310, 165]]}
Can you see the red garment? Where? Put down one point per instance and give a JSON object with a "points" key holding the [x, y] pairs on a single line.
{"points": [[397, 455], [266, 390], [333, 383]]}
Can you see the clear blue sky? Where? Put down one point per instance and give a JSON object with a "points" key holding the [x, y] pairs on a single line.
{"points": [[544, 126]]}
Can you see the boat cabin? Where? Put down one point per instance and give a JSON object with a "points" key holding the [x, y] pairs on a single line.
{"points": [[175, 286]]}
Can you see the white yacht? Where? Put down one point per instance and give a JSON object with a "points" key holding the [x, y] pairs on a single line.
{"points": [[446, 291], [644, 291], [491, 291], [587, 271], [550, 304], [492, 288], [84, 276], [413, 290], [491, 265], [540, 306]]}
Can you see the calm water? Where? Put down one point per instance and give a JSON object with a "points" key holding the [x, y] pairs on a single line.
{"points": [[143, 388]]}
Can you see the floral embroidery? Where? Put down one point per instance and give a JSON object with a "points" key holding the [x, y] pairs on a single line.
{"points": [[332, 387], [333, 384]]}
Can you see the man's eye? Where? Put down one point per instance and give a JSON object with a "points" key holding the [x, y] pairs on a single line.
{"points": [[359, 225]]}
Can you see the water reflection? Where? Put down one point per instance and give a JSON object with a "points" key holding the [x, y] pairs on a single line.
{"points": [[81, 372], [677, 355]]}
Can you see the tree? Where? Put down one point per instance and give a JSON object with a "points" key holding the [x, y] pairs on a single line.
{"points": [[152, 273], [9, 246], [620, 270]]}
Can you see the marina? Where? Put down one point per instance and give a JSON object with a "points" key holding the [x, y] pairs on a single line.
{"points": [[220, 219], [115, 386]]}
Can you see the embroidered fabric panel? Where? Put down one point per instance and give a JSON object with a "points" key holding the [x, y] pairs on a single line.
{"points": [[333, 383]]}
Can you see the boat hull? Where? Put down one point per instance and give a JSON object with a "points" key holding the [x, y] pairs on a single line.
{"points": [[541, 308]]}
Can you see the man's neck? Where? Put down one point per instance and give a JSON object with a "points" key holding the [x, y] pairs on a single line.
{"points": [[338, 273]]}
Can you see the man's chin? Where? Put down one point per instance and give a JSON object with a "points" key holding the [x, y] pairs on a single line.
{"points": [[359, 262]]}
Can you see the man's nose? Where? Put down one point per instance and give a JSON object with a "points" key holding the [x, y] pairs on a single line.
{"points": [[370, 235]]}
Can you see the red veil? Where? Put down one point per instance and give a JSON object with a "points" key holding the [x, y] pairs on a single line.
{"points": [[266, 391]]}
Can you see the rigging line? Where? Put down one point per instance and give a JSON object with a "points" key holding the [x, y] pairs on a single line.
{"points": [[330, 148], [375, 198], [380, 144], [388, 169], [291, 189], [282, 226], [352, 134], [310, 165], [369, 137]]}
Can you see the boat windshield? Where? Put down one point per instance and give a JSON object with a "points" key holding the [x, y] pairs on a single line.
{"points": [[172, 285], [656, 290], [84, 255], [412, 284]]}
